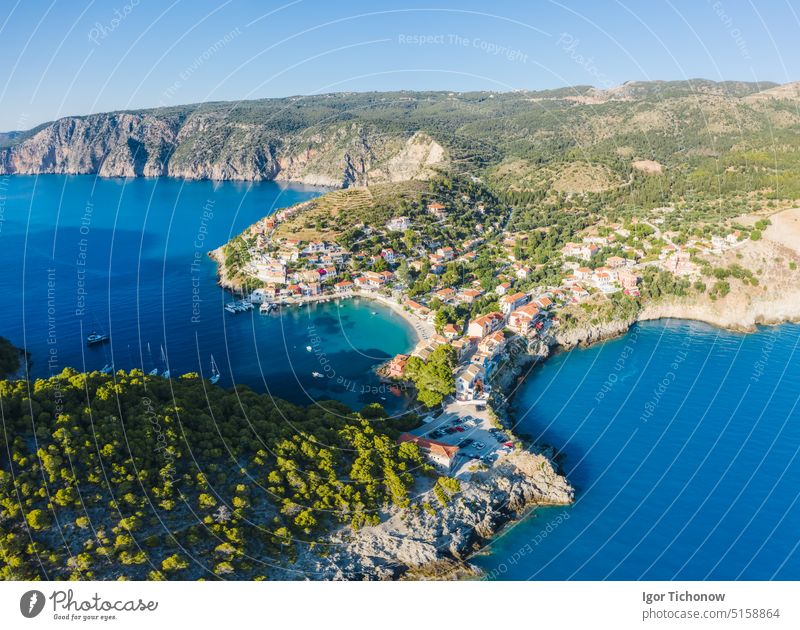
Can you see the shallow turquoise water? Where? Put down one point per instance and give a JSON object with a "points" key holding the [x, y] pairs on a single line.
{"points": [[682, 442], [128, 258]]}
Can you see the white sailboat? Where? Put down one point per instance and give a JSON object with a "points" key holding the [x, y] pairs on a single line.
{"points": [[214, 372], [165, 374]]}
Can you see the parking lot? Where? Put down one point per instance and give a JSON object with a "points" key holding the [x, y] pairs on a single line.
{"points": [[469, 427]]}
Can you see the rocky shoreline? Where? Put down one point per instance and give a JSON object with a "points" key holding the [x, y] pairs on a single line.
{"points": [[435, 544]]}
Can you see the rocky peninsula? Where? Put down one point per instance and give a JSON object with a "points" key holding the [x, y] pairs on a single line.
{"points": [[437, 544]]}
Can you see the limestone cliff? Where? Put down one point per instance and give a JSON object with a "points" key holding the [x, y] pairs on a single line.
{"points": [[215, 145]]}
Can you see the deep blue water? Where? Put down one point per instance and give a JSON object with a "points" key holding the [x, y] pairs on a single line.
{"points": [[128, 258], [682, 442]]}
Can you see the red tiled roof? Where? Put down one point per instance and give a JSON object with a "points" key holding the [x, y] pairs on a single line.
{"points": [[438, 448]]}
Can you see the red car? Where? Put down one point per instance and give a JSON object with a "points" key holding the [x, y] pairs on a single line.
{"points": [[459, 429]]}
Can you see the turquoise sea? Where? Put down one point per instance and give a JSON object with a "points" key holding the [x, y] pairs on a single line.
{"points": [[128, 258], [682, 442]]}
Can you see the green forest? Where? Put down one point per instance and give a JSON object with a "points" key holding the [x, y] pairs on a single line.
{"points": [[127, 476]]}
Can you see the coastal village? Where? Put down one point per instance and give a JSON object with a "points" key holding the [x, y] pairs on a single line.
{"points": [[435, 282]]}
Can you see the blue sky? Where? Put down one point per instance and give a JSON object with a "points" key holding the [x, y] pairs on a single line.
{"points": [[63, 57]]}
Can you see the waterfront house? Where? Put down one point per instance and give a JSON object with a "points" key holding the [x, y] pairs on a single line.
{"points": [[343, 286], [423, 312], [259, 296], [377, 279], [311, 288], [397, 366], [524, 319], [439, 453]]}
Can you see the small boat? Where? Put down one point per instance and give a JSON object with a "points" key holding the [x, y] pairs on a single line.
{"points": [[107, 368], [95, 338], [165, 373], [309, 349], [153, 372], [317, 375], [215, 375]]}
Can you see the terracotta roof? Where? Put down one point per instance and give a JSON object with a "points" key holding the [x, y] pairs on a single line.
{"points": [[438, 448], [510, 299], [529, 309]]}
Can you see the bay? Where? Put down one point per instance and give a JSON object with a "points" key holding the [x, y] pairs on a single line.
{"points": [[127, 258]]}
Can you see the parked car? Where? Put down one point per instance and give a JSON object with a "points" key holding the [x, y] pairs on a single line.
{"points": [[480, 445], [459, 429], [465, 442]]}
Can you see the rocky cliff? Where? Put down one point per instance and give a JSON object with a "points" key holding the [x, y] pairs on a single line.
{"points": [[418, 540], [213, 145], [587, 334]]}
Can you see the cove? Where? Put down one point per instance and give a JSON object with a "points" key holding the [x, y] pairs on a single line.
{"points": [[127, 258], [682, 442]]}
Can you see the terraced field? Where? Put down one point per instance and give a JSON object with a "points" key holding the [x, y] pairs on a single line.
{"points": [[332, 214]]}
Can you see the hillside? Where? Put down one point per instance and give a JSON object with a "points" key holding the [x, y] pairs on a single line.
{"points": [[730, 137]]}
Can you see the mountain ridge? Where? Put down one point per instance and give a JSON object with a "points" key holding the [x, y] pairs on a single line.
{"points": [[359, 138]]}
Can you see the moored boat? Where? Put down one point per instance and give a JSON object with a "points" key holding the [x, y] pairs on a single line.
{"points": [[215, 375], [95, 338]]}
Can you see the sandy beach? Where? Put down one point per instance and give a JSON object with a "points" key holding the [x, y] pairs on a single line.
{"points": [[423, 329]]}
